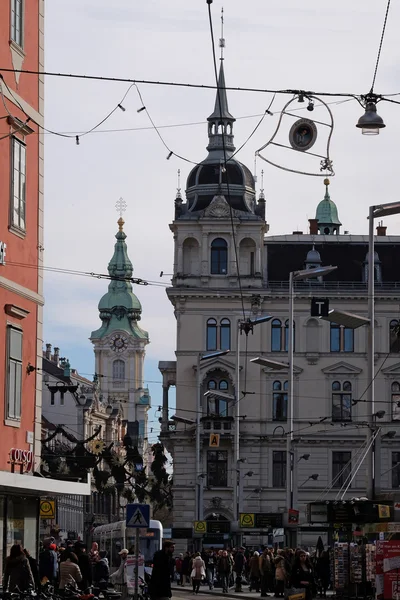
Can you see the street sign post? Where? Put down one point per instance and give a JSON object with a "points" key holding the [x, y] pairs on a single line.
{"points": [[137, 516], [319, 307]]}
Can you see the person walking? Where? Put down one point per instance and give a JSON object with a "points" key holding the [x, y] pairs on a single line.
{"points": [[265, 570], [280, 576], [17, 573], [119, 576], [224, 568], [210, 568], [198, 572], [186, 569], [240, 562], [85, 565], [48, 564], [160, 582], [101, 570], [70, 573], [178, 568], [254, 572], [302, 574]]}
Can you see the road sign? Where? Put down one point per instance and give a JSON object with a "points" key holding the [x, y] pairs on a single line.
{"points": [[319, 307], [200, 526], [214, 440], [137, 515], [47, 509], [246, 520]]}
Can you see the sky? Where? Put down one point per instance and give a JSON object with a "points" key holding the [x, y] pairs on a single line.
{"points": [[279, 44]]}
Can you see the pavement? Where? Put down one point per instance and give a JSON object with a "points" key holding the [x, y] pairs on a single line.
{"points": [[186, 592]]}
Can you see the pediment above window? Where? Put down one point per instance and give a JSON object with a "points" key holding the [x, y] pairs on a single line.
{"points": [[392, 371], [342, 368]]}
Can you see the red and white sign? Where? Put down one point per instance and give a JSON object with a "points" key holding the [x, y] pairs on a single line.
{"points": [[396, 506], [130, 570], [391, 567], [21, 458]]}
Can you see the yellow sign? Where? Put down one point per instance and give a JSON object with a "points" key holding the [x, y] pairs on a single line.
{"points": [[200, 526], [384, 511], [47, 509], [214, 440], [246, 519]]}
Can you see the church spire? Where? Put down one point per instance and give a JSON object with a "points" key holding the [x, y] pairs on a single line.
{"points": [[120, 308]]}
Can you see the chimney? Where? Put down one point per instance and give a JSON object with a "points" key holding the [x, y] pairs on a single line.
{"points": [[313, 226], [381, 230], [48, 351], [56, 357]]}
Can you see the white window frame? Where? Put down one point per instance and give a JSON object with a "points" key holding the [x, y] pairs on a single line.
{"points": [[17, 35], [18, 185], [13, 404]]}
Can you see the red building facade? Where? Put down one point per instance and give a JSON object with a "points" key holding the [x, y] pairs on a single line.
{"points": [[21, 283]]}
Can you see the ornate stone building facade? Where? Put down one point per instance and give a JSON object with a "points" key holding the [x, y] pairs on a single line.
{"points": [[220, 231]]}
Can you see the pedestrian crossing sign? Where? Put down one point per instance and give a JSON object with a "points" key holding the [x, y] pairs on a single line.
{"points": [[214, 440], [200, 527], [247, 520], [138, 515]]}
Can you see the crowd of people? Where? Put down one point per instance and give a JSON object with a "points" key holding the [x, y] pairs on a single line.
{"points": [[68, 565], [266, 571]]}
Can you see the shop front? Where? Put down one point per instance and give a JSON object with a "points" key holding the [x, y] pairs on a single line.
{"points": [[20, 497]]}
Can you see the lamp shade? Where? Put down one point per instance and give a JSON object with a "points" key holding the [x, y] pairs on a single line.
{"points": [[370, 122]]}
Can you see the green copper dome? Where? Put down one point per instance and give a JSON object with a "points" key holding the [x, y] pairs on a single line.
{"points": [[327, 214], [119, 308]]}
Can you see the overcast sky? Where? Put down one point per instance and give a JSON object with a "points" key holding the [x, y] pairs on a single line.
{"points": [[279, 44]]}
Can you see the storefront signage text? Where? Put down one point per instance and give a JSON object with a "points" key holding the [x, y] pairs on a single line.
{"points": [[21, 458], [3, 248]]}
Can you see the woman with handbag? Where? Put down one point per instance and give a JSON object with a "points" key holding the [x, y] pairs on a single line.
{"points": [[198, 572], [302, 576]]}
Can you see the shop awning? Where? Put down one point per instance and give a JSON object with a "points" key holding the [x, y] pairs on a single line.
{"points": [[41, 486]]}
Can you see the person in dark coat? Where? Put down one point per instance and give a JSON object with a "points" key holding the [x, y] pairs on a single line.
{"points": [[302, 575], [34, 568], [101, 570], [17, 573], [48, 564], [186, 568], [160, 582], [84, 565], [239, 566]]}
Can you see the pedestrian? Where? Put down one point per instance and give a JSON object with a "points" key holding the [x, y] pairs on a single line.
{"points": [[254, 572], [302, 574], [186, 569], [119, 576], [280, 576], [265, 570], [224, 568], [323, 572], [239, 566], [34, 568], [160, 582], [178, 567], [48, 563], [198, 572], [85, 565], [17, 573], [70, 573], [210, 567], [101, 570]]}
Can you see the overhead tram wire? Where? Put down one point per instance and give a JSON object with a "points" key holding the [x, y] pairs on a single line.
{"points": [[290, 92], [380, 47]]}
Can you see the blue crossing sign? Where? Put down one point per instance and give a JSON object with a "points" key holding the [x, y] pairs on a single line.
{"points": [[138, 515]]}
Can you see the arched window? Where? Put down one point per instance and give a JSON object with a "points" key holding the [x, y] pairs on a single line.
{"points": [[342, 338], [395, 388], [394, 336], [287, 336], [341, 401], [225, 334], [211, 385], [223, 385], [211, 334], [118, 371], [279, 401], [276, 336], [219, 257]]}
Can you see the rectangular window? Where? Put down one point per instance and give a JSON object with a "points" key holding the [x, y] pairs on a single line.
{"points": [[342, 338], [17, 21], [252, 263], [18, 189], [341, 468], [278, 469], [217, 468], [14, 373], [395, 470], [341, 401], [279, 405]]}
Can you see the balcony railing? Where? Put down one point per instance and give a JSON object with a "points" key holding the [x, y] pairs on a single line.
{"points": [[386, 287]]}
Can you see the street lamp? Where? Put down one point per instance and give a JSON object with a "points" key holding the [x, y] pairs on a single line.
{"points": [[304, 457], [370, 122], [314, 477], [199, 480], [375, 212]]}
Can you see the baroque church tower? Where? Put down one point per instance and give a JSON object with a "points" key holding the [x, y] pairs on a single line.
{"points": [[119, 346], [218, 233]]}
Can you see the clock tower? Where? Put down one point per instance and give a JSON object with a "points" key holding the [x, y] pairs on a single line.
{"points": [[119, 346]]}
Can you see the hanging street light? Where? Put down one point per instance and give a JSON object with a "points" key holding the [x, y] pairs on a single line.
{"points": [[370, 122]]}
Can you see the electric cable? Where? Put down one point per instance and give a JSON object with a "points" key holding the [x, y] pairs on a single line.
{"points": [[380, 46]]}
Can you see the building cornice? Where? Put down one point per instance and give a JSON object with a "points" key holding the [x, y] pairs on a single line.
{"points": [[12, 286]]}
